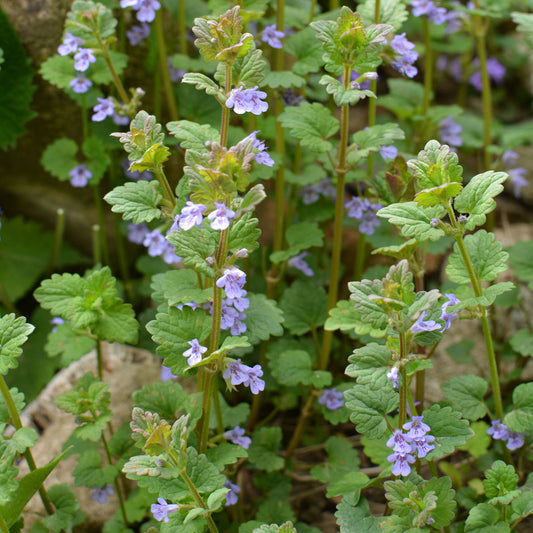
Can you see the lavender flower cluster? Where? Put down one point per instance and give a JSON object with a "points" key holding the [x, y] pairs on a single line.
{"points": [[332, 399], [364, 210], [431, 325], [145, 9], [498, 431], [312, 193], [405, 446]]}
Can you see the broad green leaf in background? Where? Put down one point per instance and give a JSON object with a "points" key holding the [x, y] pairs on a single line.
{"points": [[355, 517], [15, 85], [391, 12], [263, 318], [521, 261], [193, 136], [500, 479], [311, 124], [522, 342], [304, 305], [264, 450], [369, 363], [521, 417], [465, 394]]}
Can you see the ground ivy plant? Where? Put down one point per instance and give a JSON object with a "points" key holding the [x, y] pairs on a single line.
{"points": [[287, 370]]}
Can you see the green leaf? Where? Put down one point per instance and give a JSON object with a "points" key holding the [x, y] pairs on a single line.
{"points": [[341, 469], [487, 256], [369, 404], [263, 318], [244, 234], [500, 480], [59, 158], [195, 246], [137, 201], [522, 506], [404, 99], [58, 70], [13, 334], [264, 450], [181, 287], [67, 513], [202, 83], [520, 419], [521, 261], [342, 95], [173, 331], [193, 136], [436, 165], [100, 72], [522, 342], [465, 394], [304, 305], [18, 400], [469, 299], [87, 18], [372, 138], [476, 198], [353, 518], [305, 46], [291, 367], [432, 499], [484, 518], [27, 487], [312, 124], [438, 195], [414, 220], [66, 343], [480, 442], [371, 317], [89, 472], [391, 12], [369, 363], [448, 428], [15, 79], [284, 78]]}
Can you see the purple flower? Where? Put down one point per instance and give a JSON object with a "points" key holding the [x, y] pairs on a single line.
{"points": [[70, 44], [236, 435], [175, 73], [129, 3], [262, 157], [146, 10], [332, 399], [509, 158], [368, 223], [448, 317], [241, 303], [272, 36], [99, 495], [392, 374], [238, 327], [232, 496], [232, 282], [56, 321], [356, 207], [299, 263], [422, 444], [416, 428], [155, 242], [228, 315], [364, 84], [498, 430], [80, 176], [83, 58], [388, 152], [247, 100], [253, 380], [137, 232], [194, 353], [435, 14], [221, 216], [162, 509], [420, 325], [406, 56], [136, 34], [166, 373], [450, 132], [399, 443], [517, 179], [104, 108], [120, 120], [516, 440], [236, 372], [239, 373], [495, 70], [364, 211], [190, 215], [401, 463], [80, 84]]}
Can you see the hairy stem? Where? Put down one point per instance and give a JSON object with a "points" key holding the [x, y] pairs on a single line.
{"points": [[163, 66]]}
